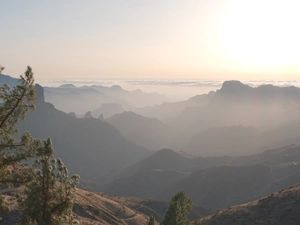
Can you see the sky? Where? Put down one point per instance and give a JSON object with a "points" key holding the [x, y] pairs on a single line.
{"points": [[133, 39]]}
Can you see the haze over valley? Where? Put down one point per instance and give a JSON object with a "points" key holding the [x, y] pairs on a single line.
{"points": [[248, 136], [150, 112]]}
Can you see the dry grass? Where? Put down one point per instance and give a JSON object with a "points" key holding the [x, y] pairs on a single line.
{"points": [[279, 208], [90, 209]]}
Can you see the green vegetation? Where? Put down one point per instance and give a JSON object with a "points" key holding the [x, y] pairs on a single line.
{"points": [[14, 103], [179, 207], [151, 221], [49, 192]]}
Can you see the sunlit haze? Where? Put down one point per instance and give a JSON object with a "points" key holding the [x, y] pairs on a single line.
{"points": [[215, 39]]}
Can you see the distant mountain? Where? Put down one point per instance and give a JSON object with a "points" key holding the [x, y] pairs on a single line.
{"points": [[227, 140], [240, 117], [162, 160], [212, 182], [5, 79], [168, 111], [279, 208], [143, 131], [89, 147], [236, 91], [69, 98], [231, 92], [67, 86], [243, 140], [136, 98], [108, 110], [281, 135], [223, 186], [146, 184], [235, 104]]}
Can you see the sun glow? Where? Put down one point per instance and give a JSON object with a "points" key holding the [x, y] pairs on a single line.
{"points": [[262, 32]]}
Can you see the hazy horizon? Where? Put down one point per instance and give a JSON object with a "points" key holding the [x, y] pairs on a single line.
{"points": [[176, 89]]}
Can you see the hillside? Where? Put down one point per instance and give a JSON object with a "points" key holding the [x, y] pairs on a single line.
{"points": [[93, 208], [223, 186], [90, 208], [279, 208]]}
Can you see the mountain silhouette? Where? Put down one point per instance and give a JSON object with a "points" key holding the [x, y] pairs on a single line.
{"points": [[88, 147], [147, 132], [212, 182]]}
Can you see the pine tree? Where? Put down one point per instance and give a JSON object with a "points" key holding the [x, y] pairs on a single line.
{"points": [[51, 193], [179, 207], [151, 221], [14, 103]]}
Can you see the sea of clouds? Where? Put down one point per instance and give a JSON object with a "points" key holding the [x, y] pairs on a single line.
{"points": [[178, 89]]}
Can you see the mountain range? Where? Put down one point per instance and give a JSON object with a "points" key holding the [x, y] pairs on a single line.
{"points": [[212, 182], [88, 147], [70, 98], [230, 147]]}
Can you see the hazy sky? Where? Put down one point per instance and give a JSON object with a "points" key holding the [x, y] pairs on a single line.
{"points": [[98, 39]]}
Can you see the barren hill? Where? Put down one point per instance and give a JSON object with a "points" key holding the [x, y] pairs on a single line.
{"points": [[93, 208], [279, 208]]}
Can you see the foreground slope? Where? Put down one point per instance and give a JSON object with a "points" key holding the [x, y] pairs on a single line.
{"points": [[279, 208], [90, 208], [98, 208]]}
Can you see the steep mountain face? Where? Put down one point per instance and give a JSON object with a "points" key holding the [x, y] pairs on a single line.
{"points": [[88, 147], [143, 131], [212, 182], [108, 110], [236, 91], [280, 208], [168, 111]]}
